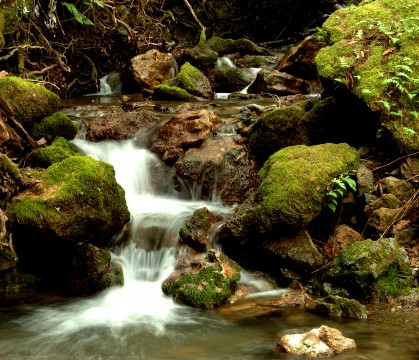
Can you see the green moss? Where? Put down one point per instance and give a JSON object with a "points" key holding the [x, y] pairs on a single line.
{"points": [[30, 102], [14, 15], [294, 180], [374, 53], [9, 167], [168, 92], [393, 284], [206, 289], [230, 46], [57, 124], [59, 150], [74, 197], [277, 129]]}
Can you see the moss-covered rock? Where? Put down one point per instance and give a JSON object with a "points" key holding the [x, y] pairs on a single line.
{"points": [[295, 180], [373, 52], [59, 150], [230, 79], [30, 102], [279, 128], [368, 269], [91, 270], [202, 57], [57, 124], [165, 91], [230, 46], [196, 229], [190, 83], [209, 286], [10, 179], [337, 306], [77, 199]]}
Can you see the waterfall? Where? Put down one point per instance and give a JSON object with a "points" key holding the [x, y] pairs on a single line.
{"points": [[147, 256]]}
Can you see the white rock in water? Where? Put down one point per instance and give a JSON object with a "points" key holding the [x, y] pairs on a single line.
{"points": [[322, 341]]}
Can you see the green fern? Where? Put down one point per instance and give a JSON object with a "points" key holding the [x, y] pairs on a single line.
{"points": [[78, 15], [340, 186]]}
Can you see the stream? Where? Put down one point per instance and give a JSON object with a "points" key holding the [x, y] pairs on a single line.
{"points": [[137, 321]]}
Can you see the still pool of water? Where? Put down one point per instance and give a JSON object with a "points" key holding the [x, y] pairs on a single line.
{"points": [[74, 331]]}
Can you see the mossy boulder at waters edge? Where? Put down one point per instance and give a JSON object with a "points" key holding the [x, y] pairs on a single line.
{"points": [[30, 102], [189, 84], [206, 287], [293, 190], [59, 150], [77, 199], [371, 269], [373, 52]]}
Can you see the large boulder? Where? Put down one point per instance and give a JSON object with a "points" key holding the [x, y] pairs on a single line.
{"points": [[299, 60], [278, 83], [183, 131], [189, 84], [151, 68], [76, 199], [91, 269], [29, 101], [276, 129], [119, 125], [293, 189], [371, 269], [373, 54], [221, 166], [205, 283]]}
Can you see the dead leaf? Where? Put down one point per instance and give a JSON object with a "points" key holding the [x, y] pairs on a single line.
{"points": [[389, 51]]}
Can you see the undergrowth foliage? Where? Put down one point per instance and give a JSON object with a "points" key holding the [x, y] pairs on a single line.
{"points": [[339, 187]]}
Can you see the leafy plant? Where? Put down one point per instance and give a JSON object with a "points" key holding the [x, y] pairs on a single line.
{"points": [[340, 186]]}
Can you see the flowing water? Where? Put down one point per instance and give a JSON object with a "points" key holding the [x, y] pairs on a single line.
{"points": [[137, 321]]}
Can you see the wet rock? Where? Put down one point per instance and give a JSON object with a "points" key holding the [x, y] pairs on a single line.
{"points": [[297, 253], [74, 200], [206, 285], [91, 270], [292, 191], [196, 230], [322, 341], [183, 131], [64, 206], [230, 79], [383, 219], [119, 125], [364, 180], [336, 306], [402, 189], [368, 269], [151, 69], [278, 83], [299, 60], [256, 61], [189, 84], [221, 166], [277, 129], [342, 238], [202, 57]]}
